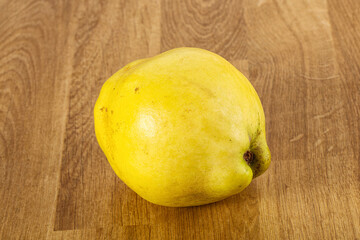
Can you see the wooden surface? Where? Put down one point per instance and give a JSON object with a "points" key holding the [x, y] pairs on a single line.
{"points": [[302, 56]]}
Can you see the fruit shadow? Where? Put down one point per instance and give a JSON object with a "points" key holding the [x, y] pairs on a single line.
{"points": [[238, 210]]}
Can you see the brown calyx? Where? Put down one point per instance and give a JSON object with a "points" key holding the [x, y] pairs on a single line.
{"points": [[249, 157]]}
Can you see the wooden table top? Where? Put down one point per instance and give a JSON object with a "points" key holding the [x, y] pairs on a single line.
{"points": [[303, 58]]}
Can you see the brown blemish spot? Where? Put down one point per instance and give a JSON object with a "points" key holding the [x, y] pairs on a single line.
{"points": [[126, 68], [137, 89], [112, 112], [204, 89], [230, 140], [249, 157], [103, 109]]}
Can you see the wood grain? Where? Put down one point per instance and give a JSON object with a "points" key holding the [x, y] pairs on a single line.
{"points": [[95, 45], [303, 58]]}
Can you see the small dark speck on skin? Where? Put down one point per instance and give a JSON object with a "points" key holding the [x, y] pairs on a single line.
{"points": [[230, 140], [103, 108], [112, 112], [137, 89], [113, 88]]}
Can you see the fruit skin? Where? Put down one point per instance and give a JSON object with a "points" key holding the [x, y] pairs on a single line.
{"points": [[175, 128]]}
